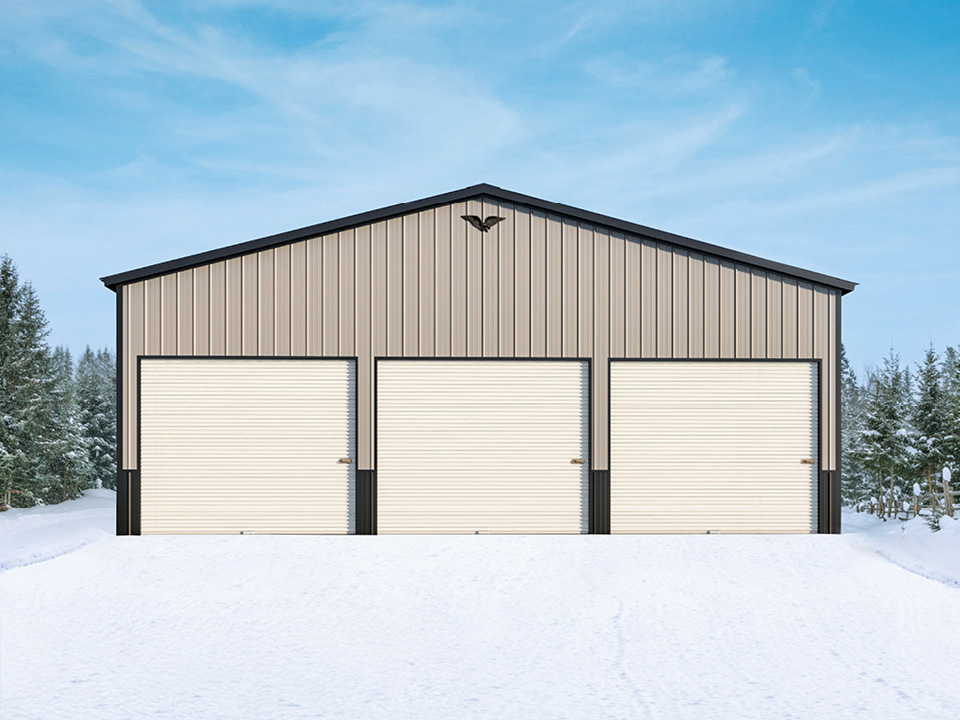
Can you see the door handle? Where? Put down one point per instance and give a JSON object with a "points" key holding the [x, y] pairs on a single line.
{"points": [[577, 461], [808, 461], [345, 461]]}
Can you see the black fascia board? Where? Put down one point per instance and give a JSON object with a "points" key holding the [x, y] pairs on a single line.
{"points": [[468, 193]]}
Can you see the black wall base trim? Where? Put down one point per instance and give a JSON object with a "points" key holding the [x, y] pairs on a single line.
{"points": [[128, 502], [829, 502], [599, 502], [123, 502], [366, 502], [835, 501]]}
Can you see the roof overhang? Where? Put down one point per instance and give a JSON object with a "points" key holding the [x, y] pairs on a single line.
{"points": [[469, 193]]}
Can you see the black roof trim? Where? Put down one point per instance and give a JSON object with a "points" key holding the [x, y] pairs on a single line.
{"points": [[474, 191]]}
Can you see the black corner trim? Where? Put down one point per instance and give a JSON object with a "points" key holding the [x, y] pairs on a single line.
{"points": [[835, 501], [366, 502], [123, 502], [134, 502], [599, 502]]}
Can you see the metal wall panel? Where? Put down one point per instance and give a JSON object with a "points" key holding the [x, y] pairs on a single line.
{"points": [[474, 446], [428, 280], [253, 445], [431, 285], [218, 308], [507, 283], [695, 300], [201, 310], [694, 447], [266, 302], [233, 304], [282, 323], [185, 313], [490, 282], [521, 270]]}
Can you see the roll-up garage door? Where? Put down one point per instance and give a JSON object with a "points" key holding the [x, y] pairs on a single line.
{"points": [[494, 446], [713, 447], [247, 445]]}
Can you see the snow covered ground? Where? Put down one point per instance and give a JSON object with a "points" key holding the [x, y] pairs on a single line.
{"points": [[711, 626]]}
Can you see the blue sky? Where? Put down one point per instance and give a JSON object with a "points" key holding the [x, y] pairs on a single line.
{"points": [[820, 134]]}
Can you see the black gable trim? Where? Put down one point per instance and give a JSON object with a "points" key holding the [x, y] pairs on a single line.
{"points": [[474, 191]]}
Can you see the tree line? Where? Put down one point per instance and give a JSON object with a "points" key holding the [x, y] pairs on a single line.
{"points": [[57, 417], [900, 436]]}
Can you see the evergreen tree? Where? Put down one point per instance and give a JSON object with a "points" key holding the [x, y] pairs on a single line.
{"points": [[855, 483], [96, 395], [27, 387], [930, 421], [65, 458], [886, 437]]}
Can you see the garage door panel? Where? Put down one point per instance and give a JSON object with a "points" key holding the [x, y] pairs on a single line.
{"points": [[482, 446], [252, 445], [699, 446]]}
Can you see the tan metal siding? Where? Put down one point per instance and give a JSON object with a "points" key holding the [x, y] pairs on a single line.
{"points": [[758, 314], [282, 323], [218, 308], [266, 300], [538, 284], [428, 280], [249, 293], [346, 302], [632, 300], [648, 300], [411, 286], [431, 285], [234, 306], [330, 295], [522, 264], [490, 282], [364, 327], [506, 283], [664, 290], [585, 278], [184, 326], [618, 300], [695, 299], [774, 330], [201, 310], [601, 343], [458, 280], [569, 292], [554, 285], [298, 299], [474, 323], [681, 295], [442, 251]]}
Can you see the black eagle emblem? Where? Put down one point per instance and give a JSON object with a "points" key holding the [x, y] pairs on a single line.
{"points": [[482, 225]]}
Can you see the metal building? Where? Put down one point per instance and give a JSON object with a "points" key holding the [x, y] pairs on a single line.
{"points": [[413, 370]]}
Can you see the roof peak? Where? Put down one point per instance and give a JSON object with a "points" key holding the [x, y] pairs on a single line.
{"points": [[468, 193]]}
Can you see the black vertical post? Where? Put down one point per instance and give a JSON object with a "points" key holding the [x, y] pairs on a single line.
{"points": [[123, 503], [599, 499], [134, 501], [366, 520]]}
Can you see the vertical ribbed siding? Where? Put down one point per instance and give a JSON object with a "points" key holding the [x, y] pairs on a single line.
{"points": [[536, 285]]}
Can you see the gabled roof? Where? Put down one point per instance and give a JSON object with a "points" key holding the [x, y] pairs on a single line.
{"points": [[469, 193]]}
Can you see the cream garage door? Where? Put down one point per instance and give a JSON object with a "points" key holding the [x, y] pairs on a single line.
{"points": [[485, 446], [713, 446], [247, 445]]}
